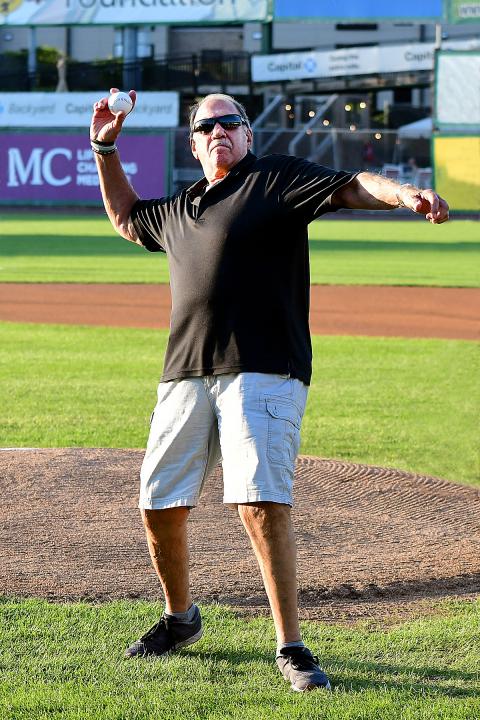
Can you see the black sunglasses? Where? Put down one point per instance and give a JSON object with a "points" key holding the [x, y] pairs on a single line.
{"points": [[228, 122]]}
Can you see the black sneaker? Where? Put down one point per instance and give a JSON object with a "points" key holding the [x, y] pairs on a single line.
{"points": [[300, 668], [166, 636]]}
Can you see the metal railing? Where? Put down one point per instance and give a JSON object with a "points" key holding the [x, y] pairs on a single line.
{"points": [[175, 72], [375, 150], [307, 130]]}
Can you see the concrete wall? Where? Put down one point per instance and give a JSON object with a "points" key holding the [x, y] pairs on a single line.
{"points": [[193, 39], [89, 43], [86, 43]]}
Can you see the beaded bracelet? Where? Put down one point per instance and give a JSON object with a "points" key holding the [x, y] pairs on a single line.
{"points": [[103, 148]]}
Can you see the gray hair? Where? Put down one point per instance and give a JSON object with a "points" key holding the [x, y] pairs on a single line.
{"points": [[217, 96]]}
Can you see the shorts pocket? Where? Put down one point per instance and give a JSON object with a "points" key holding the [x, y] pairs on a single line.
{"points": [[284, 419]]}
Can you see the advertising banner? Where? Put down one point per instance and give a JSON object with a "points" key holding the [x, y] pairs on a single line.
{"points": [[349, 61], [124, 12], [457, 170], [56, 168], [457, 91], [354, 10], [74, 109], [462, 11]]}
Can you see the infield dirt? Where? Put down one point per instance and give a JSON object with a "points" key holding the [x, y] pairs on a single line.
{"points": [[335, 310]]}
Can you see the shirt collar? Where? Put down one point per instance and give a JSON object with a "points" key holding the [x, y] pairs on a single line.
{"points": [[198, 188]]}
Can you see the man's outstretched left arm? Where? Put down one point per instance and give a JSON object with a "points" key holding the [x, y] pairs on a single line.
{"points": [[368, 191]]}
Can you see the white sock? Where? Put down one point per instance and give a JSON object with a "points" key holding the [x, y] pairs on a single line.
{"points": [[185, 617]]}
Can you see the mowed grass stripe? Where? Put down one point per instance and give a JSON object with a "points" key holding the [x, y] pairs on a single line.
{"points": [[410, 404], [65, 662], [49, 248]]}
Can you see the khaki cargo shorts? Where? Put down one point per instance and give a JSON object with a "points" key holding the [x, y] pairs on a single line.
{"points": [[249, 421]]}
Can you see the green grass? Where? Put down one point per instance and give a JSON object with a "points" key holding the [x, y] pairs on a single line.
{"points": [[410, 404], [395, 253], [73, 249], [64, 662], [49, 248]]}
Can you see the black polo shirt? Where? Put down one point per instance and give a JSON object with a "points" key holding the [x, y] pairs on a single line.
{"points": [[239, 266]]}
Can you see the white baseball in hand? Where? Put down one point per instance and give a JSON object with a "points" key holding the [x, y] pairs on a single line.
{"points": [[120, 102]]}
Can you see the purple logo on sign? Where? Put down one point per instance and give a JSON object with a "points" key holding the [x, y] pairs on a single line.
{"points": [[61, 168]]}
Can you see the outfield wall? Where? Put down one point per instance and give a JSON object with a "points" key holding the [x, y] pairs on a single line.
{"points": [[45, 153], [457, 170], [49, 167], [456, 145]]}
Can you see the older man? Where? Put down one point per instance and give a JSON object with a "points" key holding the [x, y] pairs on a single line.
{"points": [[238, 361]]}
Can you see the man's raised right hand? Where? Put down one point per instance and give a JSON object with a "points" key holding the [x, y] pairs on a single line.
{"points": [[105, 126]]}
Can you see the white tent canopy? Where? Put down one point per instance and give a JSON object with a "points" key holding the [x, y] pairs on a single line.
{"points": [[418, 129]]}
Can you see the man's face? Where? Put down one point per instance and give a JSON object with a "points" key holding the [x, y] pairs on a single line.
{"points": [[221, 149]]}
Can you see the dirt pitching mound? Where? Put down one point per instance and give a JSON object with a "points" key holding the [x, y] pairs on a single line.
{"points": [[371, 540]]}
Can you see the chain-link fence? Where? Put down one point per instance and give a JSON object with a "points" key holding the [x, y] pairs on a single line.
{"points": [[402, 158]]}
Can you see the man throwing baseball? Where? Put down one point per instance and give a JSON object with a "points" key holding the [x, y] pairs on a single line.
{"points": [[238, 361]]}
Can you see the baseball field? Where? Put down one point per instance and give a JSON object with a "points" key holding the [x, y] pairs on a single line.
{"points": [[395, 386]]}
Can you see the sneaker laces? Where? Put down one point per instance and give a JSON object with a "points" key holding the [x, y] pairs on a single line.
{"points": [[160, 625], [302, 659]]}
